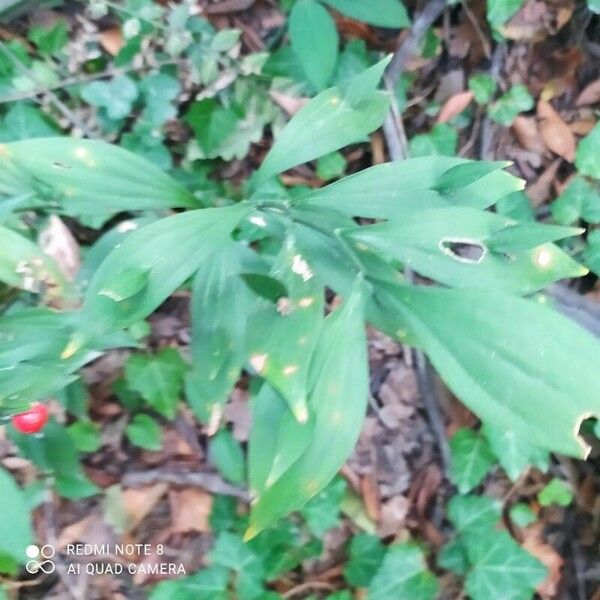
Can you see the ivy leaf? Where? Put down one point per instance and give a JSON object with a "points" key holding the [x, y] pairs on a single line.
{"points": [[473, 514], [455, 247], [144, 431], [158, 379], [211, 124], [442, 139], [116, 96], [499, 11], [514, 450], [580, 200], [339, 375], [314, 39], [483, 87], [471, 459], [501, 377], [403, 575], [15, 526], [207, 584], [226, 454], [391, 190], [515, 101], [322, 512], [23, 122], [85, 177], [335, 118], [366, 555], [501, 568], [55, 452], [382, 13], [555, 492], [587, 159], [159, 91]]}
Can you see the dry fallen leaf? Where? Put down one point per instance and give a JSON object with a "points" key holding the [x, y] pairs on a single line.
{"points": [[525, 129], [547, 555], [370, 495], [540, 191], [556, 134], [537, 19], [139, 502], [290, 104], [112, 40], [57, 241], [589, 95], [190, 510], [454, 106]]}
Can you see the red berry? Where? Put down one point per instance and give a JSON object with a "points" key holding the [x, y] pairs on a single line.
{"points": [[32, 420]]}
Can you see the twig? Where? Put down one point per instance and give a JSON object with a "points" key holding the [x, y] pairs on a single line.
{"points": [[423, 21], [227, 6], [398, 148], [488, 129], [60, 105], [208, 481], [308, 585], [75, 80]]}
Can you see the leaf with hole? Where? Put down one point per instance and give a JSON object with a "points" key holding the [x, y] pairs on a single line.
{"points": [[515, 370], [455, 246]]}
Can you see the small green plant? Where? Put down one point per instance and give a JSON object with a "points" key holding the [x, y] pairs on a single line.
{"points": [[258, 270]]}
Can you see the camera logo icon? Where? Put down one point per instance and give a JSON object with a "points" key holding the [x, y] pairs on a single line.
{"points": [[40, 559]]}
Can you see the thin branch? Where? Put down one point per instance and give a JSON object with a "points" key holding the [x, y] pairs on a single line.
{"points": [[423, 21], [60, 105], [398, 148]]}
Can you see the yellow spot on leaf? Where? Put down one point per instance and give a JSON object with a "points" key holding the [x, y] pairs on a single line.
{"points": [[543, 258], [259, 362], [306, 302], [289, 370]]}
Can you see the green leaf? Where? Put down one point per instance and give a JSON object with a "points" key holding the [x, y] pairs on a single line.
{"points": [[144, 431], [115, 96], [231, 552], [471, 459], [392, 189], [499, 11], [382, 13], [25, 266], [50, 40], [125, 284], [211, 124], [337, 405], [522, 515], [314, 40], [441, 140], [332, 120], [159, 91], [495, 366], [474, 514], [501, 568], [331, 166], [84, 177], [514, 451], [591, 254], [226, 454], [207, 584], [579, 200], [322, 512], [455, 246], [556, 492], [403, 575], [483, 87], [55, 452], [85, 435], [23, 122], [282, 337], [594, 6], [508, 106], [169, 251], [366, 555], [15, 526], [220, 305], [587, 159], [158, 378]]}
